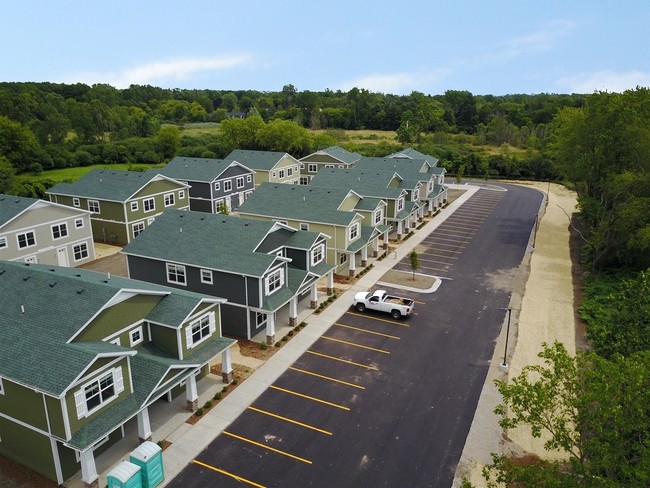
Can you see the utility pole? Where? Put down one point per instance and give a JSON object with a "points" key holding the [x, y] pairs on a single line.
{"points": [[504, 365]]}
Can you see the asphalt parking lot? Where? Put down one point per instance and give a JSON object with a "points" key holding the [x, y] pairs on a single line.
{"points": [[383, 402]]}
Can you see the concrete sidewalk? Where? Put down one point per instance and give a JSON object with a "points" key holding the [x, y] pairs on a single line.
{"points": [[189, 440]]}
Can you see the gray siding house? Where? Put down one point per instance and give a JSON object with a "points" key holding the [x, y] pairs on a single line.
{"points": [[331, 157], [259, 267], [213, 182], [269, 166], [38, 231]]}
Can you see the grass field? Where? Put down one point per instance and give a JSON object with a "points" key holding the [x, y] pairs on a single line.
{"points": [[65, 175]]}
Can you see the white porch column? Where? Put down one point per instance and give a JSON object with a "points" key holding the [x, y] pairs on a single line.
{"points": [[270, 328], [293, 311], [330, 282], [431, 207], [385, 240], [399, 230], [364, 256], [313, 294], [226, 366], [191, 393], [88, 469], [144, 426], [353, 263], [375, 247]]}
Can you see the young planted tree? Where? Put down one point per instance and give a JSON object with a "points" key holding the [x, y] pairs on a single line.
{"points": [[415, 262]]}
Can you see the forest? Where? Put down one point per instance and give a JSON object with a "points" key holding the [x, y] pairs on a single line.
{"points": [[596, 405]]}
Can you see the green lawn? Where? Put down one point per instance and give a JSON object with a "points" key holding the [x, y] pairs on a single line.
{"points": [[73, 174]]}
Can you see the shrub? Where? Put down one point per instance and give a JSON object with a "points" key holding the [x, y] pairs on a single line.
{"points": [[217, 396], [207, 404], [263, 345], [278, 344], [199, 412], [285, 338], [224, 389], [303, 323], [290, 333], [234, 381]]}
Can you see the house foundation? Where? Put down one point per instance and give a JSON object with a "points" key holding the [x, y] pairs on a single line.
{"points": [[192, 405]]}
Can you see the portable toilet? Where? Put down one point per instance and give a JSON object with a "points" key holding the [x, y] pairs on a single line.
{"points": [[148, 456], [125, 475]]}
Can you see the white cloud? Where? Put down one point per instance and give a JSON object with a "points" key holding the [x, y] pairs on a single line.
{"points": [[396, 83], [610, 81], [164, 72]]}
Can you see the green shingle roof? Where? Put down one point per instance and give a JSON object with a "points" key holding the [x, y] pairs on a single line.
{"points": [[106, 184], [195, 169], [367, 183], [410, 153], [296, 202], [341, 154], [11, 206], [258, 160]]}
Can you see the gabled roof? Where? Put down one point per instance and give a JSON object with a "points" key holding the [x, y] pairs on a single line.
{"points": [[366, 183], [412, 170], [197, 169], [12, 206], [410, 153], [111, 185], [339, 153], [302, 203], [257, 160], [211, 241], [43, 307]]}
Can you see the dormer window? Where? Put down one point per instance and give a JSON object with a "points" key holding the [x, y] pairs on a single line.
{"points": [[354, 231], [200, 330], [400, 204], [274, 281], [317, 254]]}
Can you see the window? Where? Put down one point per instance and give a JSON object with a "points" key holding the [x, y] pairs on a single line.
{"points": [[260, 319], [170, 199], [3, 242], [59, 231], [26, 239], [416, 195], [136, 336], [134, 206], [176, 274], [93, 206], [137, 228], [273, 173], [354, 231], [31, 260], [302, 165], [78, 223], [249, 178], [76, 202], [80, 251], [400, 204], [341, 166], [149, 204], [199, 330], [289, 171], [304, 226], [304, 180], [94, 395], [181, 194], [312, 168], [206, 276], [227, 185], [240, 182], [281, 174], [343, 258], [430, 187], [329, 166], [274, 281], [2, 388], [217, 186], [247, 194], [317, 254], [379, 216]]}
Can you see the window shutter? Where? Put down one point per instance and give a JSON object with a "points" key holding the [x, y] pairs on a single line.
{"points": [[80, 402], [119, 380], [188, 336]]}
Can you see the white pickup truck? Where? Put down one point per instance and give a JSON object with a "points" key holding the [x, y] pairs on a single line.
{"points": [[381, 301]]}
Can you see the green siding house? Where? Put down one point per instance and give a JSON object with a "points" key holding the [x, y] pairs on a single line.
{"points": [[269, 166], [122, 203], [354, 224], [260, 267], [84, 353], [331, 157]]}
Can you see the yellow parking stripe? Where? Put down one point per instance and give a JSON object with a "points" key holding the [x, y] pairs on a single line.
{"points": [[244, 439], [286, 419], [329, 378], [347, 343], [368, 331], [302, 395], [238, 478], [380, 320], [341, 360]]}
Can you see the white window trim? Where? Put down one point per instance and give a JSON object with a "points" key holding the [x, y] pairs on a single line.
{"points": [[212, 327], [270, 278], [343, 258], [354, 229], [79, 223], [227, 185], [249, 178], [60, 225], [80, 395], [116, 341], [134, 206], [133, 342], [31, 231], [136, 225], [171, 197], [416, 195], [318, 254], [400, 204], [281, 174], [74, 252], [76, 202], [217, 186], [176, 266], [181, 194], [3, 242], [304, 226], [379, 216], [273, 174], [240, 182], [312, 168], [94, 203], [206, 279], [144, 205], [2, 387]]}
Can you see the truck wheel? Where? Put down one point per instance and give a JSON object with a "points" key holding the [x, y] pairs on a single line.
{"points": [[396, 314], [361, 307]]}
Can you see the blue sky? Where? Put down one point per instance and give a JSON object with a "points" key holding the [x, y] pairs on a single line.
{"points": [[490, 47]]}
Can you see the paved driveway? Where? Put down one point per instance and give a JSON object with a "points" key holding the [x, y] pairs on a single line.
{"points": [[378, 402]]}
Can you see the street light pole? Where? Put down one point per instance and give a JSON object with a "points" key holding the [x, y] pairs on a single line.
{"points": [[504, 365]]}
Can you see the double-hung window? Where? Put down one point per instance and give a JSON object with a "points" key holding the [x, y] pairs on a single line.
{"points": [[3, 242], [78, 223], [200, 329], [249, 178], [134, 206], [80, 251], [170, 199], [217, 186], [290, 171], [317, 254], [274, 281], [26, 239], [312, 168], [400, 204], [227, 185], [98, 392], [136, 336], [176, 274], [137, 228], [149, 204], [240, 182], [59, 231], [206, 276], [379, 216], [354, 231]]}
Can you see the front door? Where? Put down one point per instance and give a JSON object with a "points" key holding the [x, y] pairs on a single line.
{"points": [[62, 256]]}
